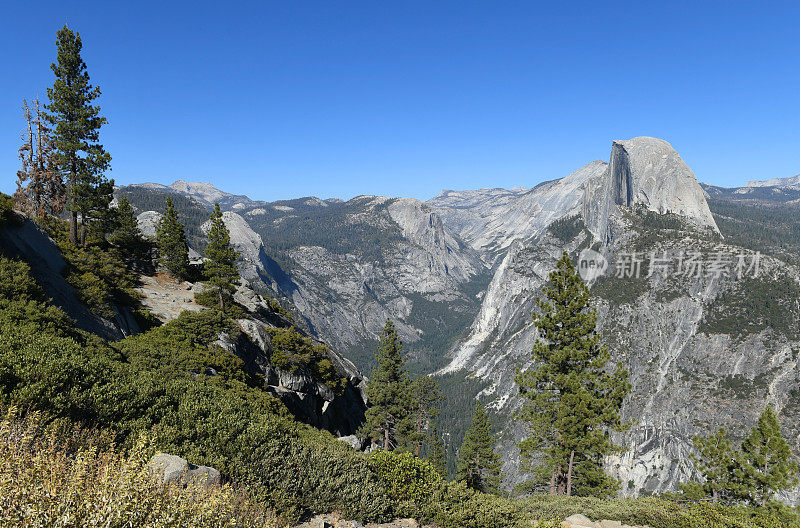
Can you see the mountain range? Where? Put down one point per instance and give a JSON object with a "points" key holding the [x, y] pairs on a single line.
{"points": [[705, 345]]}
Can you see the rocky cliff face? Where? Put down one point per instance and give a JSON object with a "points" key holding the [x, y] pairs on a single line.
{"points": [[697, 360], [645, 172], [491, 220]]}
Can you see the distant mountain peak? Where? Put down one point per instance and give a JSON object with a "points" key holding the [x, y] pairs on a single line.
{"points": [[203, 192], [792, 182]]}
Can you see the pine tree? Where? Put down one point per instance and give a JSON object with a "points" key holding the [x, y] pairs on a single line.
{"points": [[436, 454], [173, 251], [220, 267], [571, 400], [126, 233], [388, 417], [765, 462], [77, 123], [426, 397], [478, 464], [716, 461]]}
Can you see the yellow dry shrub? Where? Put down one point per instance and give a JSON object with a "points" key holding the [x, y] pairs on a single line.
{"points": [[44, 484]]}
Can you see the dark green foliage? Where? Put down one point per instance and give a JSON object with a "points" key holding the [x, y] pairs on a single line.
{"points": [[388, 418], [766, 464], [478, 464], [76, 126], [219, 270], [99, 274], [435, 452], [173, 251], [454, 505], [716, 461], [426, 398], [768, 302], [406, 477], [125, 231], [660, 513], [292, 351], [567, 228], [7, 215], [571, 400], [773, 229], [331, 227], [191, 213], [455, 415]]}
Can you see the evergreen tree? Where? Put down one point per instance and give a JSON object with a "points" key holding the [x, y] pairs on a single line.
{"points": [[388, 417], [125, 233], [765, 462], [426, 397], [220, 267], [436, 454], [717, 463], [77, 123], [173, 252], [571, 400], [478, 464]]}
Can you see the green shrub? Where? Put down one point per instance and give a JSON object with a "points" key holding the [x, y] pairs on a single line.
{"points": [[457, 506], [293, 351], [99, 273], [406, 477], [192, 397]]}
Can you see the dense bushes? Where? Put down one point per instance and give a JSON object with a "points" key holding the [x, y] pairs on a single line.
{"points": [[660, 513], [45, 480], [193, 399], [293, 351], [406, 477], [98, 272]]}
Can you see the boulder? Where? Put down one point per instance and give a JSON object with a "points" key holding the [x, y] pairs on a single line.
{"points": [[172, 468], [352, 440], [578, 521]]}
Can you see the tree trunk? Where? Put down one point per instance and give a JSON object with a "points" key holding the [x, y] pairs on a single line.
{"points": [[83, 231], [553, 482], [221, 300], [386, 438], [73, 228], [569, 473]]}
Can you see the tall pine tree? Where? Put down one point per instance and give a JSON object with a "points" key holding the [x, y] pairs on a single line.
{"points": [[571, 399], [219, 268], [426, 398], [436, 453], [173, 251], [389, 415], [478, 464], [716, 461], [77, 122], [765, 462]]}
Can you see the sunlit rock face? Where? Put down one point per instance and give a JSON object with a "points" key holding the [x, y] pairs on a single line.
{"points": [[645, 172]]}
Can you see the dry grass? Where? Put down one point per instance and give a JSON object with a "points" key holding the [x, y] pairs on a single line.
{"points": [[58, 479]]}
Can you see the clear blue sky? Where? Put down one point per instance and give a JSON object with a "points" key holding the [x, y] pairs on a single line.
{"points": [[335, 99]]}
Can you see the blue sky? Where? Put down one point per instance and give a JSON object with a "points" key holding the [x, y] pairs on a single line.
{"points": [[335, 99]]}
